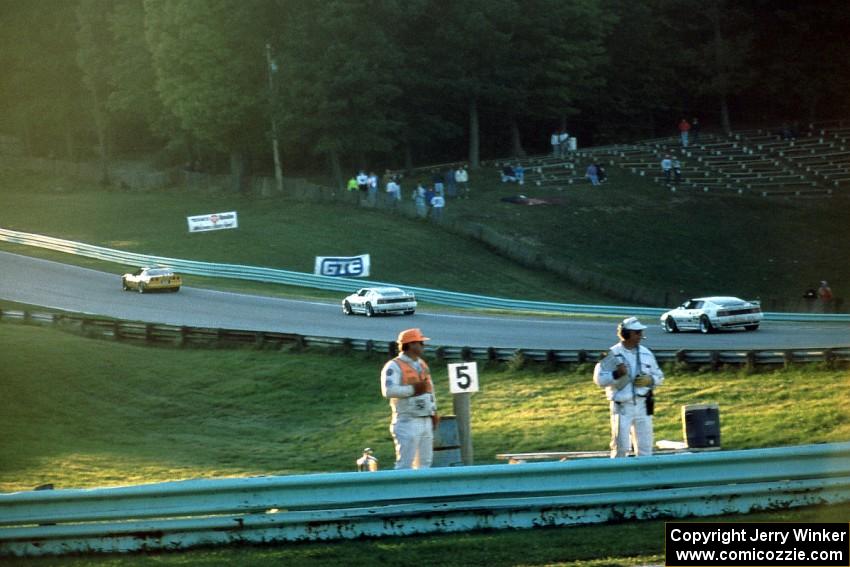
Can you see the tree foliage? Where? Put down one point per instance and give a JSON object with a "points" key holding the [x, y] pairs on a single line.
{"points": [[363, 81]]}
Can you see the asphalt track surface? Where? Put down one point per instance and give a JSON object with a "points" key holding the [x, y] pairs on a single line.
{"points": [[82, 290]]}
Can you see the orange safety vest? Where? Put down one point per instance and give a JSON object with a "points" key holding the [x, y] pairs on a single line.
{"points": [[410, 376]]}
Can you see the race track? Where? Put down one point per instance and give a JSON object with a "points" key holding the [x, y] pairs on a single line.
{"points": [[61, 286]]}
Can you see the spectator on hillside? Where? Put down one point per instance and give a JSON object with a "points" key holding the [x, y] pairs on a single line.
{"points": [[352, 184], [519, 173], [393, 192], [555, 140], [437, 179], [438, 203], [564, 143], [450, 182], [362, 181], [601, 173], [372, 184], [684, 128], [695, 129], [592, 174], [429, 197], [825, 296], [420, 202], [462, 179], [677, 169], [667, 168], [508, 174]]}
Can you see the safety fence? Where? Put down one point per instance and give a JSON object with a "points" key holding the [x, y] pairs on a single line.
{"points": [[186, 336], [180, 515], [327, 283]]}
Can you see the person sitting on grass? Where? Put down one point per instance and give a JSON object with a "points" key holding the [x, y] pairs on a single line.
{"points": [[508, 174]]}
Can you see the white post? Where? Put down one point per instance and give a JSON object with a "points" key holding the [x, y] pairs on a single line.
{"points": [[463, 418], [463, 382]]}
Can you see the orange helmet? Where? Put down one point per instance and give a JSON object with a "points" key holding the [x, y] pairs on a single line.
{"points": [[411, 336]]}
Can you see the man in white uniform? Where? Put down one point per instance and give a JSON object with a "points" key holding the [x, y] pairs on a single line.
{"points": [[629, 374], [406, 382]]}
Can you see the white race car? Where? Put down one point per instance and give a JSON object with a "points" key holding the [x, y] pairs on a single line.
{"points": [[708, 314], [373, 300]]}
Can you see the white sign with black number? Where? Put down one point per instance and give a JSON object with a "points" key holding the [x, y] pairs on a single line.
{"points": [[463, 377]]}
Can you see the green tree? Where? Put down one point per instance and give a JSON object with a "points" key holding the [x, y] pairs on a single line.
{"points": [[93, 56], [40, 87], [209, 60], [338, 73]]}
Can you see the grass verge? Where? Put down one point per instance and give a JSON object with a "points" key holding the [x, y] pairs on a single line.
{"points": [[82, 413]]}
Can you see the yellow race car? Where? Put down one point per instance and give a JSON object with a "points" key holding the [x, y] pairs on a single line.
{"points": [[152, 278]]}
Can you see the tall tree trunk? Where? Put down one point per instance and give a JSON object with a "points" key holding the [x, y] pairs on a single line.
{"points": [[516, 139], [102, 137], [408, 157], [474, 141], [720, 66], [336, 170], [237, 169]]}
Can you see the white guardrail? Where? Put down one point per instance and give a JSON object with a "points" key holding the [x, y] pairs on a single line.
{"points": [[179, 515], [328, 283]]}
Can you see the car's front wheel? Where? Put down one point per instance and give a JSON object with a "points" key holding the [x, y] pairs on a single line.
{"points": [[705, 325], [124, 285], [410, 312], [670, 325], [346, 308], [141, 287], [369, 311], [751, 327]]}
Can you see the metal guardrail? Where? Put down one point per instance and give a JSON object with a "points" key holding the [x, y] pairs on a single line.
{"points": [[285, 277], [152, 333], [179, 515]]}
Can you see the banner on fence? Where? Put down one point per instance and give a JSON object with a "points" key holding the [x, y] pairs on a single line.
{"points": [[213, 221], [343, 266]]}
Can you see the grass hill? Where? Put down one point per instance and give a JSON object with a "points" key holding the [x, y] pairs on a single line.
{"points": [[80, 412], [629, 231]]}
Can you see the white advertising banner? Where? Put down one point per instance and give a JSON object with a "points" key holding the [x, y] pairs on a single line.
{"points": [[343, 266], [214, 221]]}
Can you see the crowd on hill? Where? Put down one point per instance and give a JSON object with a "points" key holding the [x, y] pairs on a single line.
{"points": [[429, 198]]}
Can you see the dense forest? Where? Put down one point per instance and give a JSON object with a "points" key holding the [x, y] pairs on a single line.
{"points": [[356, 83]]}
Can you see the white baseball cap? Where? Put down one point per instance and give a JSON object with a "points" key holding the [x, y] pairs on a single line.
{"points": [[632, 324]]}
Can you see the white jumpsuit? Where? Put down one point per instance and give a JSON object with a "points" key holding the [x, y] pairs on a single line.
{"points": [[630, 425], [411, 425]]}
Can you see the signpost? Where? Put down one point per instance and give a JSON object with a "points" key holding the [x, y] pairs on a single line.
{"points": [[463, 382]]}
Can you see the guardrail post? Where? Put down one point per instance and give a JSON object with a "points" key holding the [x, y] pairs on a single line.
{"points": [[715, 360], [184, 335], [440, 353], [466, 353], [260, 339], [787, 359], [751, 360], [116, 331], [492, 355], [829, 357], [392, 349], [581, 356], [148, 332]]}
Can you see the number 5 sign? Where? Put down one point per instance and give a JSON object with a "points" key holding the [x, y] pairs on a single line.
{"points": [[463, 377]]}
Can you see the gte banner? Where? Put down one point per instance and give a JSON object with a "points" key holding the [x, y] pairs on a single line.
{"points": [[214, 221], [343, 266]]}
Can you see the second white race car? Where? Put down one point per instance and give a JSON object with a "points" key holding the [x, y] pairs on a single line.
{"points": [[709, 314], [373, 300]]}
